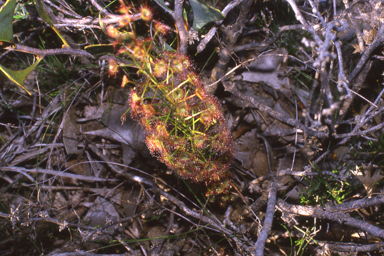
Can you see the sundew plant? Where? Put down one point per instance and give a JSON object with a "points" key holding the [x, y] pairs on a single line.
{"points": [[184, 126]]}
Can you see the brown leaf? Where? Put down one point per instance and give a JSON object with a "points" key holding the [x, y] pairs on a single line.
{"points": [[128, 133], [357, 48], [364, 174], [369, 35], [71, 130]]}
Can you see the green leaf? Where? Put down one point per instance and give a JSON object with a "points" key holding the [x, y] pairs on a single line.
{"points": [[102, 26], [43, 14], [19, 76], [203, 14], [167, 47], [163, 4], [99, 49], [6, 16]]}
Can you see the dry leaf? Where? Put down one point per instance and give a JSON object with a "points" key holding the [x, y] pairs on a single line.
{"points": [[369, 35], [364, 174], [357, 48], [128, 133], [71, 130]]}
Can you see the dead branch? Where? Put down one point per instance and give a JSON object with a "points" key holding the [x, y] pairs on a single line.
{"points": [[267, 225], [337, 216]]}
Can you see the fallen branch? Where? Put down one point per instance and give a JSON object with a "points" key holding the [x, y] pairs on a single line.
{"points": [[48, 52], [267, 226], [327, 213], [57, 173]]}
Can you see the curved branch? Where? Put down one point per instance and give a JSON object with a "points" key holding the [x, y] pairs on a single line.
{"points": [[183, 35]]}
